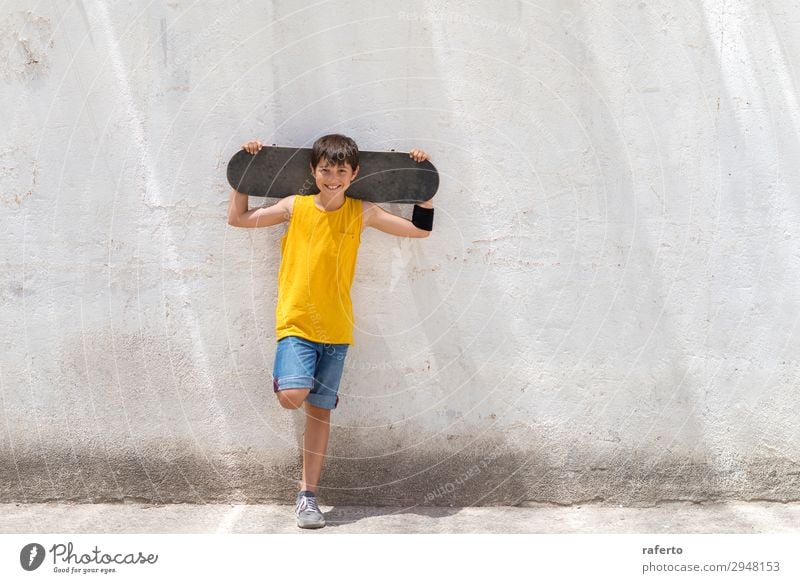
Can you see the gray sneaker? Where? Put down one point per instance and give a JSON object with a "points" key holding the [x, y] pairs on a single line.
{"points": [[307, 511]]}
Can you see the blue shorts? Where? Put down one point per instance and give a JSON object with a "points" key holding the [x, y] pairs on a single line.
{"points": [[303, 364]]}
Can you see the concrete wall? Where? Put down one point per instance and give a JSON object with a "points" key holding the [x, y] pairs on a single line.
{"points": [[607, 309]]}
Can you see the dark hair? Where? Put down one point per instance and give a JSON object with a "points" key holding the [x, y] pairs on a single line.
{"points": [[335, 149]]}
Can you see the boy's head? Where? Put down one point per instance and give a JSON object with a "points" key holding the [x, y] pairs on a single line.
{"points": [[336, 150]]}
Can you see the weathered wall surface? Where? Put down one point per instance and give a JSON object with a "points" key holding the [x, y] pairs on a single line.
{"points": [[607, 309]]}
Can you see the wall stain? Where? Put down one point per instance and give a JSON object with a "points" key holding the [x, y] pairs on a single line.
{"points": [[485, 475], [25, 43]]}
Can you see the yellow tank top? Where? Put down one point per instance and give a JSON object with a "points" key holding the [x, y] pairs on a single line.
{"points": [[318, 262]]}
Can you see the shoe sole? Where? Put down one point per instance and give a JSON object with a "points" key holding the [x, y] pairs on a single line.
{"points": [[310, 524]]}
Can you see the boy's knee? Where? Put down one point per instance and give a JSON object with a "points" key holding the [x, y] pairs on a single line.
{"points": [[292, 398]]}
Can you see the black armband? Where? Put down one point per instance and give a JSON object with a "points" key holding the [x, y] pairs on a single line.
{"points": [[422, 218]]}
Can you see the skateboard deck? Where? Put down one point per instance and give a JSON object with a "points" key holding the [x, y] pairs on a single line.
{"points": [[384, 176]]}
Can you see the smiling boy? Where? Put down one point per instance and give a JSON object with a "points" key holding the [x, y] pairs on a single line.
{"points": [[314, 315]]}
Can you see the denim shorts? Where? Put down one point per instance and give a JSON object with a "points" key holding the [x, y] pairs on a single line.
{"points": [[304, 364]]}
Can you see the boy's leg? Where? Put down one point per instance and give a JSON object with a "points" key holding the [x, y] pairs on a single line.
{"points": [[319, 402], [292, 398], [315, 443], [293, 373]]}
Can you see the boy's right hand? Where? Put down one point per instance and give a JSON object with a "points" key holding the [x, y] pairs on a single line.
{"points": [[252, 147]]}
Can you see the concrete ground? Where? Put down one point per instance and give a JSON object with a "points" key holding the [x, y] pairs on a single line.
{"points": [[675, 518]]}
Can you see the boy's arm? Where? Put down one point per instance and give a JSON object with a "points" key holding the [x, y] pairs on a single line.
{"points": [[239, 216], [375, 216]]}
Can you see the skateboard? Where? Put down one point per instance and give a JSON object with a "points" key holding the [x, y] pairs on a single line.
{"points": [[277, 172]]}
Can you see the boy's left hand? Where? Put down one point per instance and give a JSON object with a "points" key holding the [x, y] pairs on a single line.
{"points": [[418, 155]]}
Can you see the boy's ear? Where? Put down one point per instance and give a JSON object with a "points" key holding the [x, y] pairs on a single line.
{"points": [[355, 172]]}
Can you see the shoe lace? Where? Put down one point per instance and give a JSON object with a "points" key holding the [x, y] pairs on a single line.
{"points": [[308, 503]]}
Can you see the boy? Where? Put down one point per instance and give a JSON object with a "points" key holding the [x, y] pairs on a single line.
{"points": [[314, 317]]}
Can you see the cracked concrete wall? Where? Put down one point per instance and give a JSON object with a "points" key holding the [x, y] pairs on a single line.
{"points": [[605, 311]]}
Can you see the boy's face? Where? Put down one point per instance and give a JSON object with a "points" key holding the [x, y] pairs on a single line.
{"points": [[333, 178]]}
